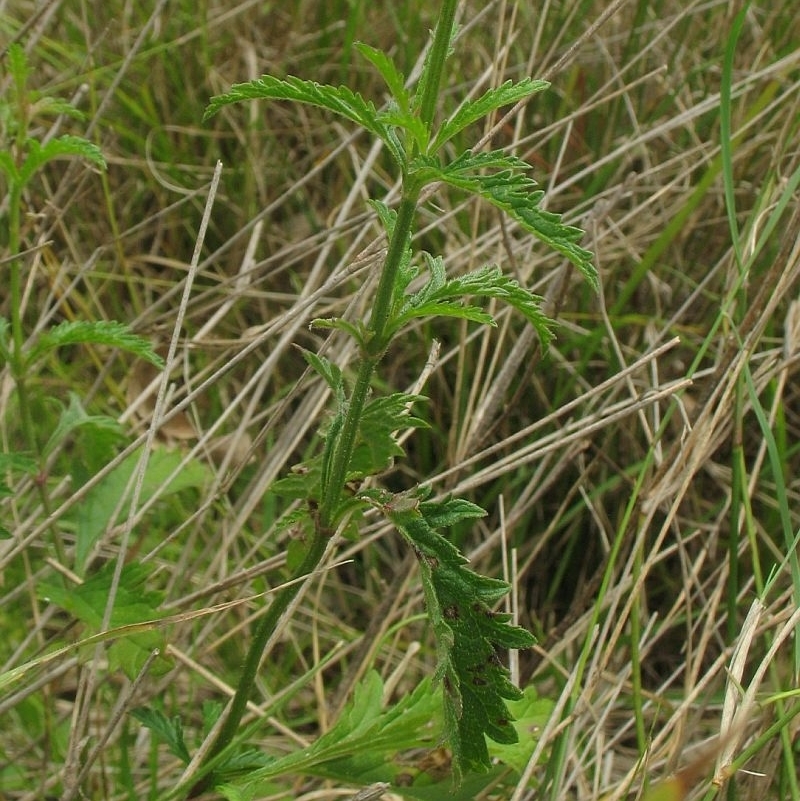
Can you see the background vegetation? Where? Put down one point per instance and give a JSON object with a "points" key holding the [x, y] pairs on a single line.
{"points": [[641, 476]]}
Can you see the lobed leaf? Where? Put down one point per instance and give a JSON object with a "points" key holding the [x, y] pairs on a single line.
{"points": [[366, 733], [75, 416], [63, 147], [134, 604], [514, 193], [340, 100], [470, 636], [474, 110], [167, 730], [442, 296]]}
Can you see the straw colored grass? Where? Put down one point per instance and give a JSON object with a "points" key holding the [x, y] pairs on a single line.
{"points": [[637, 502]]}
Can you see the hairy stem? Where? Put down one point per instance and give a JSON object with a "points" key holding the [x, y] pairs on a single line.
{"points": [[376, 344]]}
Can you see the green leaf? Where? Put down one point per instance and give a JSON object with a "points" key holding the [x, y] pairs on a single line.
{"points": [[340, 100], [74, 416], [442, 297], [165, 475], [470, 636], [531, 714], [63, 147], [394, 79], [18, 66], [514, 193], [55, 106], [166, 730], [5, 351], [357, 330], [474, 110], [102, 332], [376, 446], [328, 371], [366, 733], [9, 167], [134, 604]]}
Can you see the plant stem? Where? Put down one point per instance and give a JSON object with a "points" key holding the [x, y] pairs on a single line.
{"points": [[375, 348], [264, 630], [377, 341]]}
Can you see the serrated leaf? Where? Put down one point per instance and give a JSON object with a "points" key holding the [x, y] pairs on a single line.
{"points": [[167, 730], [443, 297], [513, 192], [394, 79], [376, 446], [357, 330], [474, 110], [531, 714], [56, 105], [340, 100], [469, 634], [100, 332], [327, 370], [364, 730], [66, 146]]}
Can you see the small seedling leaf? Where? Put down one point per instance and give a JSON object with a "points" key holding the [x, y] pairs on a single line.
{"points": [[166, 730]]}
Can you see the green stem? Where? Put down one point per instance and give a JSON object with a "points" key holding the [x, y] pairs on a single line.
{"points": [[264, 630], [375, 347], [377, 340]]}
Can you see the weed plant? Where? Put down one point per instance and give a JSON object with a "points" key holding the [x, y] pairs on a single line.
{"points": [[638, 473]]}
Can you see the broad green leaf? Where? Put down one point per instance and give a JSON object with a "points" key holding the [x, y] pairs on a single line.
{"points": [[470, 636], [513, 192], [74, 416], [474, 110], [394, 79], [340, 100], [167, 730], [134, 604], [102, 332], [443, 297], [165, 475]]}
